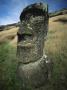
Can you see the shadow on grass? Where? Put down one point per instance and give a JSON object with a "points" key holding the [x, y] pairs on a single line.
{"points": [[62, 20]]}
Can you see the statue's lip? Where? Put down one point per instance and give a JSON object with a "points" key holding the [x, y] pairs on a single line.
{"points": [[25, 44]]}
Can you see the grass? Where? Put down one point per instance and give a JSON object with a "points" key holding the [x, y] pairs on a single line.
{"points": [[8, 65], [56, 49], [8, 35]]}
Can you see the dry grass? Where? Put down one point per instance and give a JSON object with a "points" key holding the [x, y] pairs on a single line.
{"points": [[8, 35], [56, 48], [57, 35]]}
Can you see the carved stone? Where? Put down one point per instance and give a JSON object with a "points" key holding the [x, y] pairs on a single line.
{"points": [[32, 63]]}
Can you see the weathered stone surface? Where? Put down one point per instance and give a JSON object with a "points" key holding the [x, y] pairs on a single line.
{"points": [[31, 35], [32, 64], [34, 74], [33, 42]]}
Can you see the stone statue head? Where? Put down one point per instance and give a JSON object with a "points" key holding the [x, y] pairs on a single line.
{"points": [[32, 32]]}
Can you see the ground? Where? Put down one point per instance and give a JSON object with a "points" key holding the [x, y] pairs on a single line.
{"points": [[55, 48]]}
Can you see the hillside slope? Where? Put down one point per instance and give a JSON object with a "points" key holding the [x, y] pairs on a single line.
{"points": [[57, 29], [55, 48], [8, 35], [57, 34]]}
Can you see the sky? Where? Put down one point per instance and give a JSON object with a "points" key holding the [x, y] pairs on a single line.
{"points": [[10, 10]]}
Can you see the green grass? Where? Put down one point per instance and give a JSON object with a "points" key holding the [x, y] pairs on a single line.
{"points": [[8, 65]]}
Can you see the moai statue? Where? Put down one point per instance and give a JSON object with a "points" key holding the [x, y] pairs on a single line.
{"points": [[33, 65]]}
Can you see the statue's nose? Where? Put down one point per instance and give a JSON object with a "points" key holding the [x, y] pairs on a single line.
{"points": [[24, 36]]}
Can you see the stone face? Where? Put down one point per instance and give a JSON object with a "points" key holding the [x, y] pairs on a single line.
{"points": [[32, 32], [32, 63]]}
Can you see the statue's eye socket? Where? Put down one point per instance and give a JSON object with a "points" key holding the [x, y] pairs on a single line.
{"points": [[22, 37]]}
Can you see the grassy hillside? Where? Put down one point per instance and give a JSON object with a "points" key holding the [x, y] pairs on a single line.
{"points": [[55, 47]]}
